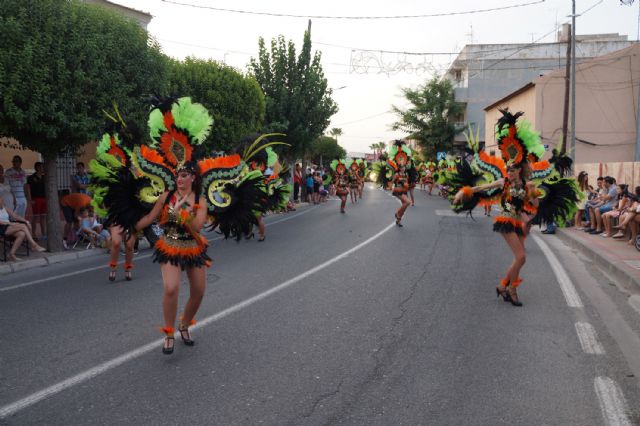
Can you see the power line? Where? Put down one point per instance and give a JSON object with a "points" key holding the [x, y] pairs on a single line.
{"points": [[288, 15]]}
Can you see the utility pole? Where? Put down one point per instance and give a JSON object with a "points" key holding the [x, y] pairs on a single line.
{"points": [[572, 152], [567, 90]]}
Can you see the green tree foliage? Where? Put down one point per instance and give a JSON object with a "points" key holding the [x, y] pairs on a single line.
{"points": [[327, 149], [61, 64], [235, 101], [299, 102], [335, 132], [429, 119]]}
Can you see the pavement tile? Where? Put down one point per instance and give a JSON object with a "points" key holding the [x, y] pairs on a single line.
{"points": [[61, 257], [90, 252]]}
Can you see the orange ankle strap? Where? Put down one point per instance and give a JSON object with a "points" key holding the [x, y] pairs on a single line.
{"points": [[168, 330], [504, 282], [516, 283], [128, 266], [112, 265], [182, 324]]}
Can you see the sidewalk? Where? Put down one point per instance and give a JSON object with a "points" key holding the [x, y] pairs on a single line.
{"points": [[613, 256]]}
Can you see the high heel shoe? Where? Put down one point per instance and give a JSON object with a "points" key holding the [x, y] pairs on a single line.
{"points": [[398, 219], [513, 294], [127, 271], [167, 346], [112, 271], [184, 332], [501, 290]]}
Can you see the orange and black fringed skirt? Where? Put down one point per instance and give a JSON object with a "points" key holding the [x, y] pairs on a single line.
{"points": [[183, 251], [506, 225]]}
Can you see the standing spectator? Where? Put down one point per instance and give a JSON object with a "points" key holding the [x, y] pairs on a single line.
{"points": [[38, 200], [309, 184], [17, 180], [80, 181], [297, 182], [71, 205], [583, 184], [5, 191]]}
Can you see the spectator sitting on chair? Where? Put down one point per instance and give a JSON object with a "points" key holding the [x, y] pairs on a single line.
{"points": [[19, 230], [595, 200], [80, 181], [92, 229], [620, 208], [38, 200], [71, 204]]}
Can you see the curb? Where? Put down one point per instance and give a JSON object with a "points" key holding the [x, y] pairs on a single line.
{"points": [[601, 261], [48, 260]]}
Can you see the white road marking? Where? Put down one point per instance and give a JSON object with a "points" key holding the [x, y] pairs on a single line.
{"points": [[23, 403], [136, 258], [589, 338], [634, 301], [612, 402], [569, 291]]}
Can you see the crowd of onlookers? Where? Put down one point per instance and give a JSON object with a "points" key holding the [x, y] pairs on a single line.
{"points": [[610, 210], [23, 201]]}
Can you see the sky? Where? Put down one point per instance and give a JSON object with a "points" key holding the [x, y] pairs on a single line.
{"points": [[367, 84]]}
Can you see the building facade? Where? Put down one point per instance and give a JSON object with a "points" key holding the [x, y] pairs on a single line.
{"points": [[484, 73], [607, 105]]}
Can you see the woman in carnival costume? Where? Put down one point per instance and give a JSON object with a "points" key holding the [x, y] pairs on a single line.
{"points": [[412, 172], [354, 180], [341, 181], [399, 155], [261, 157], [362, 173], [528, 191], [169, 180]]}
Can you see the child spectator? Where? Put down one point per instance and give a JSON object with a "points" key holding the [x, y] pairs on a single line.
{"points": [[80, 181], [90, 227], [71, 205]]}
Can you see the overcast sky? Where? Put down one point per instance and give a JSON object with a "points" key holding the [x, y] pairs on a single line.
{"points": [[365, 97]]}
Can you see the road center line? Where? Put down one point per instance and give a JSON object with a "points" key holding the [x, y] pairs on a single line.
{"points": [[612, 402], [569, 291], [23, 403], [144, 256]]}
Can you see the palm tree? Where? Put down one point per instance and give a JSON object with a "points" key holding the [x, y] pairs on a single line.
{"points": [[335, 132]]}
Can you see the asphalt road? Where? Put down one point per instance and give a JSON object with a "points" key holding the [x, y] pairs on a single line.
{"points": [[334, 319]]}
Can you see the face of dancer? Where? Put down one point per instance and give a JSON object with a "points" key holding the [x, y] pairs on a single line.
{"points": [[185, 180], [514, 173]]}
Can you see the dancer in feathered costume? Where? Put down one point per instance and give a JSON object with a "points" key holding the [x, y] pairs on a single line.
{"points": [[263, 159], [528, 191], [341, 181], [362, 173], [354, 179], [169, 180], [382, 172], [412, 172], [399, 155]]}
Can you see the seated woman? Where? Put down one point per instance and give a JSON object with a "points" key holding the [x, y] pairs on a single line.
{"points": [[622, 204], [630, 219], [19, 230]]}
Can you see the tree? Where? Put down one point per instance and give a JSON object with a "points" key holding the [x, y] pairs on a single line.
{"points": [[235, 101], [378, 148], [298, 100], [335, 132], [324, 149], [429, 120], [61, 64]]}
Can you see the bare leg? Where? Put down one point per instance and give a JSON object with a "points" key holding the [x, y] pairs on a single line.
{"points": [[403, 207], [577, 219], [261, 228], [413, 201], [516, 244], [18, 239], [598, 221], [171, 286], [343, 202], [197, 284]]}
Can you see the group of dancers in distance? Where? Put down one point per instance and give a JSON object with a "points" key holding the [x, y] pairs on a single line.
{"points": [[348, 179], [170, 190], [528, 190]]}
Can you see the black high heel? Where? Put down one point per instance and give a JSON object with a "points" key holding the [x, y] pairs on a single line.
{"points": [[112, 272], [398, 220], [184, 333], [503, 293], [169, 340], [513, 294]]}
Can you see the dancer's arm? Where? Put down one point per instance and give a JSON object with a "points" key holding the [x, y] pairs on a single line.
{"points": [[153, 214], [461, 194]]}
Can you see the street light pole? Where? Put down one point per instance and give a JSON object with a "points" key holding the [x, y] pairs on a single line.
{"points": [[572, 151]]}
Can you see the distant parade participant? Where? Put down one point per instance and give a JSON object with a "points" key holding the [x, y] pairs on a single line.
{"points": [[412, 172], [354, 180], [341, 182], [362, 173], [399, 155]]}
